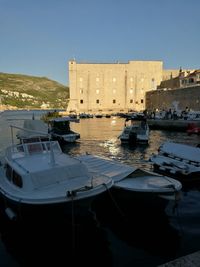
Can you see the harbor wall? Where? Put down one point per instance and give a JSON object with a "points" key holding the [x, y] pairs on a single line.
{"points": [[180, 98]]}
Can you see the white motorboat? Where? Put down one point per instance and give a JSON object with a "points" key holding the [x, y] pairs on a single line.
{"points": [[60, 129], [130, 182], [177, 160], [38, 179], [32, 130], [137, 132]]}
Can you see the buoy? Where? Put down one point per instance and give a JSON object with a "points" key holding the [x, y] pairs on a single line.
{"points": [[11, 214]]}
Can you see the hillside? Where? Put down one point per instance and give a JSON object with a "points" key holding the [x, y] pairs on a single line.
{"points": [[30, 92]]}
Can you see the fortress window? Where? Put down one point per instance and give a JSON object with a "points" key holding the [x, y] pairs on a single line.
{"points": [[114, 101], [81, 101], [97, 101], [131, 100], [142, 101]]}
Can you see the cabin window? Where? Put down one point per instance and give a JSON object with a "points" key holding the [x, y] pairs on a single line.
{"points": [[17, 179], [13, 176], [8, 172]]}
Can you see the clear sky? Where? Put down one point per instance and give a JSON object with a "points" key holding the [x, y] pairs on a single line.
{"points": [[39, 37]]}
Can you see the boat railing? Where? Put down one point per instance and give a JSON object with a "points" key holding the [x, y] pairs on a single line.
{"points": [[27, 149]]}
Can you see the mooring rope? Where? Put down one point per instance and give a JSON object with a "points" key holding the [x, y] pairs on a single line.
{"points": [[114, 201], [73, 222]]}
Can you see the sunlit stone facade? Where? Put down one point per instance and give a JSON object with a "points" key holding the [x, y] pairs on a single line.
{"points": [[112, 87]]}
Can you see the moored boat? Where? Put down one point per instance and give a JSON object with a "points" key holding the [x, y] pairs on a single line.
{"points": [[177, 160], [60, 130], [131, 182], [136, 132], [32, 131], [38, 180]]}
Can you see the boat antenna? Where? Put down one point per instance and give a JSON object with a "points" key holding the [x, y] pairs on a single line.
{"points": [[11, 127], [52, 158]]}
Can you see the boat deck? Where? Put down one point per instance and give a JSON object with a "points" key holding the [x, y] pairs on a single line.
{"points": [[191, 260]]}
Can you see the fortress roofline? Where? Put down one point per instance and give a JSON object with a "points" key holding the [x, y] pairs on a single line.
{"points": [[111, 63]]}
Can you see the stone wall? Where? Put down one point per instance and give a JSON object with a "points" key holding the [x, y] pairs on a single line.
{"points": [[165, 99]]}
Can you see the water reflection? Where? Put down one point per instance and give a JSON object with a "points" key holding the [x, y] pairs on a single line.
{"points": [[142, 228]]}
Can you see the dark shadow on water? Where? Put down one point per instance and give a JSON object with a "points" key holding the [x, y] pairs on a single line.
{"points": [[141, 226], [66, 148], [55, 243], [133, 147]]}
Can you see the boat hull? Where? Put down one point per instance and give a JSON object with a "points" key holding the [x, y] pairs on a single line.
{"points": [[184, 178], [127, 204], [17, 211], [62, 139]]}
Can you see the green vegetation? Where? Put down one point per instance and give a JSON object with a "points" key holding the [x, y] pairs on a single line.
{"points": [[50, 115], [23, 91]]}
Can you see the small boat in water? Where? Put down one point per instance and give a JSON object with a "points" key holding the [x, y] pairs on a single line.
{"points": [[60, 130], [131, 182], [32, 131], [38, 180], [137, 132], [177, 160]]}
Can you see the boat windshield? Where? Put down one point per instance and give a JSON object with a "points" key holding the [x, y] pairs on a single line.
{"points": [[32, 148]]}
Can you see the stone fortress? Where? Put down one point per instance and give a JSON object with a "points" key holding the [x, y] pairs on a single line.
{"points": [[115, 87]]}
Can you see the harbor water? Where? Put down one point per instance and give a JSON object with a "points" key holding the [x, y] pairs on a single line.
{"points": [[143, 237]]}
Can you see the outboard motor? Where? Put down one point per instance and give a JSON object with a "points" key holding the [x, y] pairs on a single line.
{"points": [[133, 138]]}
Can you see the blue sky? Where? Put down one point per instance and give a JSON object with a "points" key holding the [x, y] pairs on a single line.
{"points": [[39, 37]]}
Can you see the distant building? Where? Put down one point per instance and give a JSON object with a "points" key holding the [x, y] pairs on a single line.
{"points": [[112, 87], [120, 87], [176, 93], [191, 79]]}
